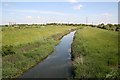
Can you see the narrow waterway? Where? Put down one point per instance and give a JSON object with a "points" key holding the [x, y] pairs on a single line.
{"points": [[56, 65]]}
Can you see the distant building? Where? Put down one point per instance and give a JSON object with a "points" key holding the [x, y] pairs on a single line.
{"points": [[12, 23]]}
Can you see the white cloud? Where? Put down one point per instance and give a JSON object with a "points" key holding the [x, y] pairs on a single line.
{"points": [[78, 7], [51, 12], [73, 1], [38, 17], [29, 17], [12, 13], [42, 12], [107, 14]]}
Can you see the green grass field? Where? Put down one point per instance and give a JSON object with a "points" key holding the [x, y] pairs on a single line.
{"points": [[30, 45], [95, 53], [16, 36]]}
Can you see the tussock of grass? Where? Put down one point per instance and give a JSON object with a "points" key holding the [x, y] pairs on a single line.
{"points": [[98, 51]]}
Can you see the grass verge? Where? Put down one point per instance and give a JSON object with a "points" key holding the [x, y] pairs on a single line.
{"points": [[95, 53]]}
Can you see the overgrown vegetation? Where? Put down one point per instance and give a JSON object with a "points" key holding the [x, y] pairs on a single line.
{"points": [[24, 47], [22, 35], [95, 53]]}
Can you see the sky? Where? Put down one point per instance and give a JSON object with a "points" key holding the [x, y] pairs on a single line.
{"points": [[59, 12], [60, 0]]}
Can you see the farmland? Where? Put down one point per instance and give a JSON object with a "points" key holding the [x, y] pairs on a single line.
{"points": [[95, 53], [27, 46]]}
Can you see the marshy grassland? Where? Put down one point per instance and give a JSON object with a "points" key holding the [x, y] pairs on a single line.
{"points": [[95, 53], [24, 47]]}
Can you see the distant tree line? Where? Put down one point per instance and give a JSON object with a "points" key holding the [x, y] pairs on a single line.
{"points": [[37, 25], [66, 24], [113, 27]]}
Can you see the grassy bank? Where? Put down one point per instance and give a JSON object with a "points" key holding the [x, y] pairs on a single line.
{"points": [[95, 53], [30, 46]]}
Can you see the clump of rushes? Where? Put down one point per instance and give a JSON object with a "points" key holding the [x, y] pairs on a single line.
{"points": [[7, 49], [95, 53]]}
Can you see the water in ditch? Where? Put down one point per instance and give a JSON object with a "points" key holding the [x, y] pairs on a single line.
{"points": [[56, 65]]}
